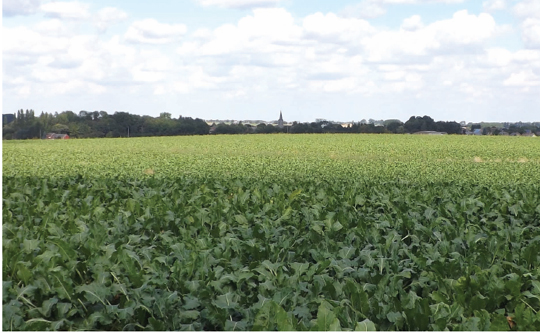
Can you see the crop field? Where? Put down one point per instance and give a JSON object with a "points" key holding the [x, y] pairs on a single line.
{"points": [[272, 232]]}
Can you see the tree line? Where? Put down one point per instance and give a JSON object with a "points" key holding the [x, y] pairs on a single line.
{"points": [[99, 124]]}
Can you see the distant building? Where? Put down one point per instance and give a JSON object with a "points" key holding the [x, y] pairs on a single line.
{"points": [[431, 133], [54, 136], [280, 120]]}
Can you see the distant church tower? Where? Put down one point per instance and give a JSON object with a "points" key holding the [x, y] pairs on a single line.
{"points": [[280, 121]]}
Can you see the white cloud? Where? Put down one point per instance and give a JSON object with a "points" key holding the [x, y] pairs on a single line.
{"points": [[348, 84], [239, 3], [19, 7], [412, 23], [452, 35], [498, 57], [523, 78], [531, 33], [63, 64], [493, 5], [26, 41], [109, 16], [272, 54], [527, 8], [320, 49], [527, 57], [265, 32], [457, 34], [366, 9], [464, 28], [271, 24], [150, 31], [66, 10], [153, 66], [72, 87], [369, 9], [328, 53], [529, 13], [394, 75], [53, 27], [330, 27], [417, 1]]}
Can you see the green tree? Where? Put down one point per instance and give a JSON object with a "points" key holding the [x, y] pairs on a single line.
{"points": [[393, 125], [60, 128]]}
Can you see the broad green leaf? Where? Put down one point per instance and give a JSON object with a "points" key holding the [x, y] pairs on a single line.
{"points": [[156, 325], [412, 299], [190, 303], [62, 309], [190, 314], [337, 226], [335, 325], [94, 292], [536, 287], [6, 286], [24, 273], [47, 306], [264, 319], [365, 325], [326, 319], [470, 324], [525, 318], [232, 326], [284, 321], [29, 245], [499, 323], [37, 324], [394, 317], [294, 194], [317, 228], [225, 301], [57, 325], [64, 249], [241, 219], [12, 316], [358, 297]]}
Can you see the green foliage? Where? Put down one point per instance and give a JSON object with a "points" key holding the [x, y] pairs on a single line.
{"points": [[264, 234]]}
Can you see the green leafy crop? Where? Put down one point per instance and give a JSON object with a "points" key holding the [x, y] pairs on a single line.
{"points": [[276, 232]]}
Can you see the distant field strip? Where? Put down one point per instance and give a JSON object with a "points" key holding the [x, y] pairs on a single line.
{"points": [[388, 157]]}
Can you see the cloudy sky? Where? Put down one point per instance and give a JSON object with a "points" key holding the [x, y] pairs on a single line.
{"points": [[342, 60]]}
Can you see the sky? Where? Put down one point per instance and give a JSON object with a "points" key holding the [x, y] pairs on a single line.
{"points": [[341, 60]]}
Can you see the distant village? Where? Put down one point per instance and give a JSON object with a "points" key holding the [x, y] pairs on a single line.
{"points": [[531, 129], [97, 124]]}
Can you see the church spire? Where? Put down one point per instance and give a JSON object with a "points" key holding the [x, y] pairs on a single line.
{"points": [[280, 121]]}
